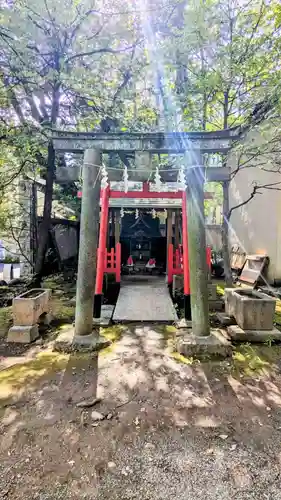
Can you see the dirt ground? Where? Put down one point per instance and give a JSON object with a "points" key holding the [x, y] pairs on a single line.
{"points": [[184, 430]]}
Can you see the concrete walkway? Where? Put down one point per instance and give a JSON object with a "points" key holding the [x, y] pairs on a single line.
{"points": [[144, 298]]}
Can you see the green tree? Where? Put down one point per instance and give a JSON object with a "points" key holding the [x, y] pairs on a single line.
{"points": [[63, 64], [225, 58]]}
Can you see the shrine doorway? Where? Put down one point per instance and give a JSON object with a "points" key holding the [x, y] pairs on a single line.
{"points": [[142, 238]]}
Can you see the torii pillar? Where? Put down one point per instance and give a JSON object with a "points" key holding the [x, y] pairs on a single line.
{"points": [[88, 243], [198, 270]]}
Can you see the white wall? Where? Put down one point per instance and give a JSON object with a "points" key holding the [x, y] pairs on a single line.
{"points": [[214, 236], [256, 227]]}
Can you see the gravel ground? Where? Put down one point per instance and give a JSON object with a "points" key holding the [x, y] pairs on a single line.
{"points": [[169, 430]]}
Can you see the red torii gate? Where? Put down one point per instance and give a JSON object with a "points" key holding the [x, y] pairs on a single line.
{"points": [[178, 261], [110, 262]]}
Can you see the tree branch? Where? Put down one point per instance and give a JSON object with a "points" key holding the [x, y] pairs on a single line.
{"points": [[255, 190], [100, 51], [15, 175]]}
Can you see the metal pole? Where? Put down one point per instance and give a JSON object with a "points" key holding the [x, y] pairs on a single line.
{"points": [[197, 252], [88, 242]]}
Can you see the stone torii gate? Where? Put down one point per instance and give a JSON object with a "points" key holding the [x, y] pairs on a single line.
{"points": [[142, 145]]}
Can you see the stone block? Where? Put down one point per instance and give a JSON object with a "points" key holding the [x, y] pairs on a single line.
{"points": [[216, 305], [239, 335], [28, 307], [212, 291], [252, 310], [224, 319], [107, 311], [177, 284], [68, 342], [229, 301], [23, 334], [214, 344]]}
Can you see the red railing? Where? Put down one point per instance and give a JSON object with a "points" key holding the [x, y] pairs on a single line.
{"points": [[175, 265], [209, 258], [176, 262], [113, 262]]}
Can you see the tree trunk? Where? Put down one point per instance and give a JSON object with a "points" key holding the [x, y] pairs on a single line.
{"points": [[46, 221], [225, 235], [225, 225]]}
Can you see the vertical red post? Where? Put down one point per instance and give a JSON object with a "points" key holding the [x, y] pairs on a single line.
{"points": [[209, 258], [101, 253], [112, 260], [178, 260], [145, 187], [118, 262], [186, 281], [185, 246], [170, 263]]}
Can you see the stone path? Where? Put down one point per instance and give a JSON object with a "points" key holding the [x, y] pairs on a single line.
{"points": [[144, 299]]}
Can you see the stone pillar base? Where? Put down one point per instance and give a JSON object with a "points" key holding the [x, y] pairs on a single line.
{"points": [[214, 344], [68, 342], [23, 334]]}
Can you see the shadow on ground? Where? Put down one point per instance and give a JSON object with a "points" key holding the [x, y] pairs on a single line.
{"points": [[171, 425]]}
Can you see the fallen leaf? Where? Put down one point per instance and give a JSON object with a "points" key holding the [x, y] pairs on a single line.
{"points": [[223, 436]]}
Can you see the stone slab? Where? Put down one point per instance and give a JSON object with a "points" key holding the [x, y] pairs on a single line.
{"points": [[23, 334], [146, 301], [68, 342], [237, 334], [106, 315], [214, 344], [224, 319]]}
